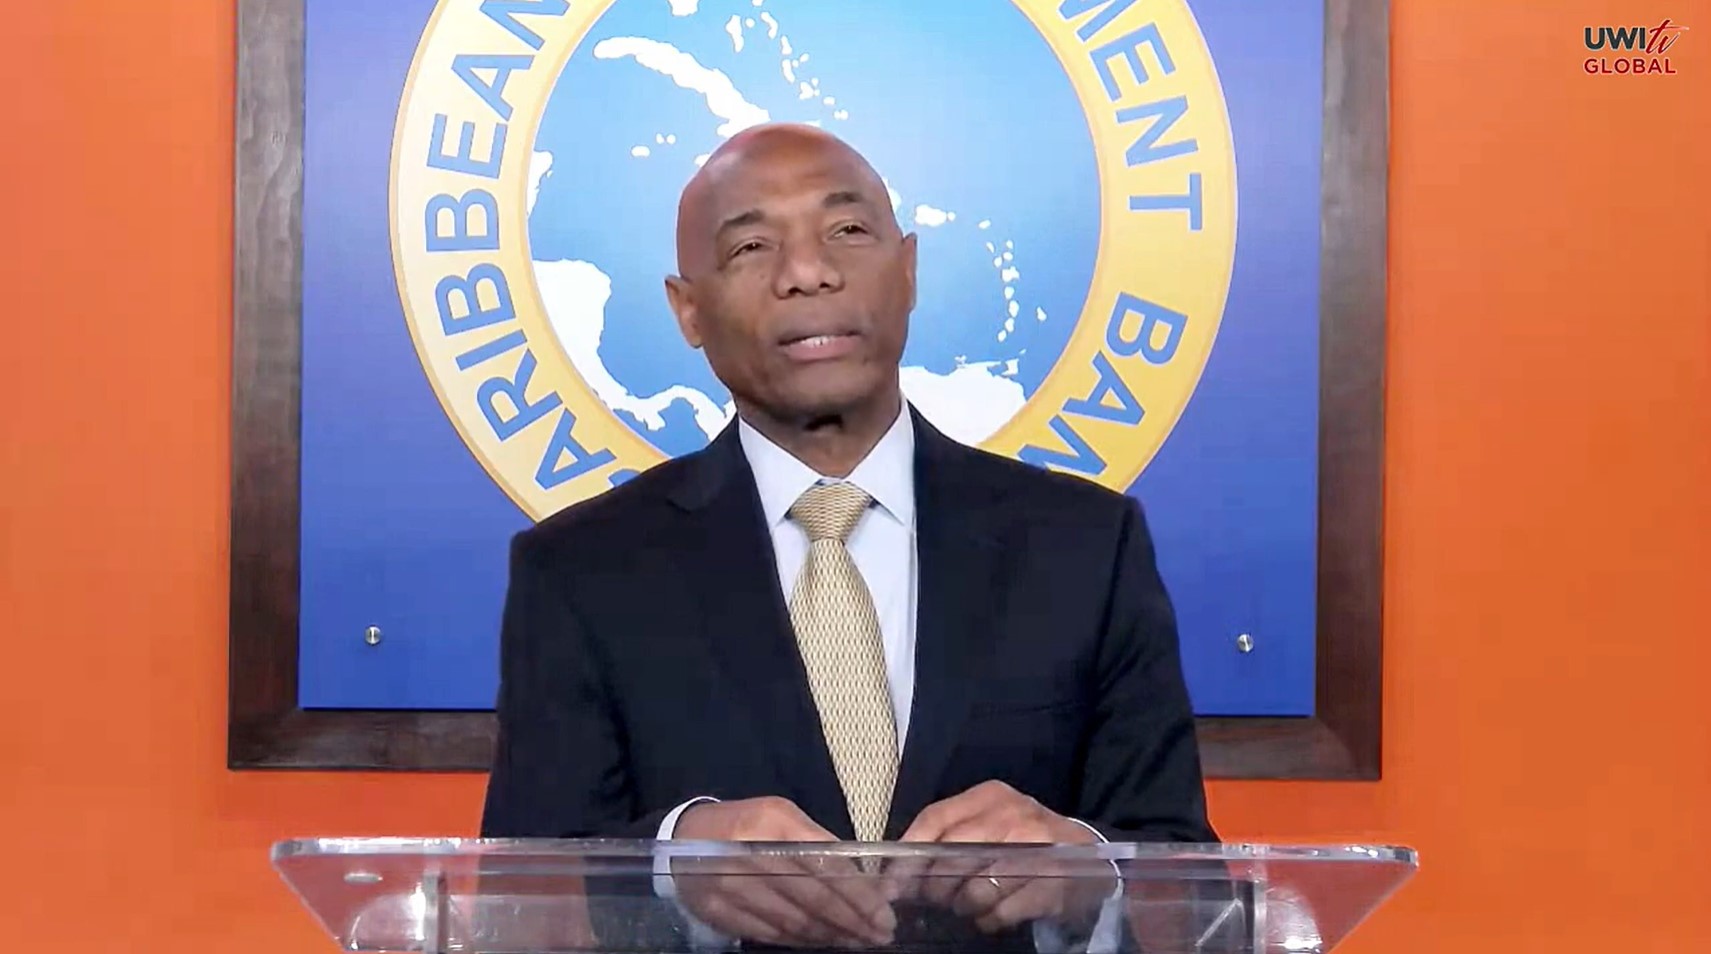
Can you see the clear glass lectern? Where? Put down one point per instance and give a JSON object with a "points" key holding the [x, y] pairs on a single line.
{"points": [[679, 897]]}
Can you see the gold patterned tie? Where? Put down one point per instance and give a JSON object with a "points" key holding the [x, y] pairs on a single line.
{"points": [[837, 631]]}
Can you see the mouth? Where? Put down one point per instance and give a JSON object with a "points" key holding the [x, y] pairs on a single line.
{"points": [[820, 347]]}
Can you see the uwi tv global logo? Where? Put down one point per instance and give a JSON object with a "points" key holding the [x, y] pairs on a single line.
{"points": [[1067, 164], [1644, 49]]}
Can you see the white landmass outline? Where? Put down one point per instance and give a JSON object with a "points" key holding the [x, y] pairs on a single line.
{"points": [[932, 218], [575, 294], [540, 163], [969, 404], [721, 95]]}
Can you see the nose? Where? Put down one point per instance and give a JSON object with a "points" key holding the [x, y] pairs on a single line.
{"points": [[804, 268]]}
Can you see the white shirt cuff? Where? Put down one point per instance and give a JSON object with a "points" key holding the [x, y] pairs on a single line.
{"points": [[1049, 937], [701, 937], [668, 826], [1096, 833]]}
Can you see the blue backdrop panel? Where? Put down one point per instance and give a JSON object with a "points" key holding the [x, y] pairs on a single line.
{"points": [[403, 529]]}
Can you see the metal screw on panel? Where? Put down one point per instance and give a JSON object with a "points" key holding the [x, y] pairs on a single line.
{"points": [[1244, 643], [371, 635]]}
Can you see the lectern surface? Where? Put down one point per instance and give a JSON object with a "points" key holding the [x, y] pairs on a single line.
{"points": [[683, 897]]}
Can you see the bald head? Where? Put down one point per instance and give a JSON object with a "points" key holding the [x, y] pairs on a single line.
{"points": [[725, 191], [795, 281]]}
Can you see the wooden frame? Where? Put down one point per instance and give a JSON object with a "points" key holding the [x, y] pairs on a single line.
{"points": [[266, 729]]}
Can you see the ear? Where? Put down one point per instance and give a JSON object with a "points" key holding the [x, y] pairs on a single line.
{"points": [[680, 294], [910, 246]]}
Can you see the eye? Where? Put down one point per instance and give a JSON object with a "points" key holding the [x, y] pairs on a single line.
{"points": [[743, 248], [850, 228]]}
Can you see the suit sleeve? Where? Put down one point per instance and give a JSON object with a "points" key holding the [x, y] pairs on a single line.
{"points": [[559, 767], [1141, 779]]}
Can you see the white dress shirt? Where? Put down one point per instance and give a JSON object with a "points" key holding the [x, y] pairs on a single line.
{"points": [[882, 545]]}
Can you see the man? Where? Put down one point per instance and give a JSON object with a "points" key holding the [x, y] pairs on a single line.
{"points": [[835, 623]]}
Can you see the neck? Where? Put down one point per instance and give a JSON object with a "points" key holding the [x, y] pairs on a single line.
{"points": [[830, 444]]}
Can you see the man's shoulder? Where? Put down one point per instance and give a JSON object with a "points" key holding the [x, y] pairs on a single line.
{"points": [[1037, 490], [624, 516]]}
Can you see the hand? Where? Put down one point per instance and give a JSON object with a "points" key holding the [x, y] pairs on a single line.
{"points": [[749, 819], [1015, 891], [796, 902], [1010, 891], [994, 812]]}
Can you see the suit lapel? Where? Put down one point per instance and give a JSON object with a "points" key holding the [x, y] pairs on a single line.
{"points": [[961, 561], [728, 562]]}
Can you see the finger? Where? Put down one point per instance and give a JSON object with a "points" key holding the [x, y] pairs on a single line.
{"points": [[935, 818], [760, 899], [741, 925], [868, 890], [786, 821], [990, 827], [853, 906], [903, 876], [718, 911], [1035, 898], [945, 877], [984, 892], [859, 914]]}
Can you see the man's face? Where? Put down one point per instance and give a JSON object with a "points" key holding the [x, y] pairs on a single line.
{"points": [[796, 279]]}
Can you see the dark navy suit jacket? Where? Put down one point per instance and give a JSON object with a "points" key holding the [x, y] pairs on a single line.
{"points": [[647, 657]]}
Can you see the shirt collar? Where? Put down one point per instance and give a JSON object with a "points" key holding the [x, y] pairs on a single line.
{"points": [[887, 473]]}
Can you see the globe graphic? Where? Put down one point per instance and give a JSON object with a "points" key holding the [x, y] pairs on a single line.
{"points": [[961, 107]]}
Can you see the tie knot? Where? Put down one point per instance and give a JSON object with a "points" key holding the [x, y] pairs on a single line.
{"points": [[830, 511]]}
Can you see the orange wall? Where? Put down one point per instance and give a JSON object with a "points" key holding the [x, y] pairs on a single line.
{"points": [[1548, 740]]}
